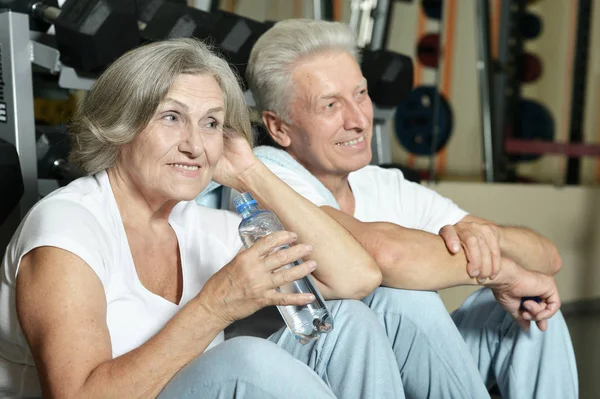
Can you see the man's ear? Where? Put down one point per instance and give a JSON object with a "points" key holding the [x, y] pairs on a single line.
{"points": [[277, 129]]}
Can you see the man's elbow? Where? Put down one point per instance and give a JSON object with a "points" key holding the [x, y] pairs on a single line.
{"points": [[555, 260]]}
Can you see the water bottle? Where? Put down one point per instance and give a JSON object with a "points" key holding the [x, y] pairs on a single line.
{"points": [[305, 322]]}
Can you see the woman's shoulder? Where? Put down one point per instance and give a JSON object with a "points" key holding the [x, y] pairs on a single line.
{"points": [[72, 218], [80, 201]]}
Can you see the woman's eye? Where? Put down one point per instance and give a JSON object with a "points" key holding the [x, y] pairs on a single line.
{"points": [[170, 117], [213, 124]]}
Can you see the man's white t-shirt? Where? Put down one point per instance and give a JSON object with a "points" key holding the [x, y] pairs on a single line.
{"points": [[384, 195], [83, 218]]}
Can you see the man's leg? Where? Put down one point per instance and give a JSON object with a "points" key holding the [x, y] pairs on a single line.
{"points": [[355, 359], [433, 358], [246, 368], [532, 364]]}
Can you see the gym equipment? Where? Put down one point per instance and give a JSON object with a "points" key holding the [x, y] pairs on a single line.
{"points": [[145, 9], [535, 122], [11, 179], [580, 72], [235, 36], [231, 35], [531, 26], [91, 34], [531, 68], [162, 19], [24, 7], [428, 50], [416, 119], [433, 8], [52, 148], [389, 75]]}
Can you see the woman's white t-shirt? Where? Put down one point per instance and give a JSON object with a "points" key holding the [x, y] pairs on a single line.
{"points": [[83, 218]]}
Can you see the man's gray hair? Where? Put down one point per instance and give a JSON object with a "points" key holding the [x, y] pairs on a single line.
{"points": [[125, 97], [276, 52]]}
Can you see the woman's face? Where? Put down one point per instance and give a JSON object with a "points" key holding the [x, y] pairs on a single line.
{"points": [[173, 158]]}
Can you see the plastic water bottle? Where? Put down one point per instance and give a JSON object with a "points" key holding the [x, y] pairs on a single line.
{"points": [[305, 322]]}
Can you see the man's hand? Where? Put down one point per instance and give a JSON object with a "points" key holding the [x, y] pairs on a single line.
{"points": [[481, 243], [514, 282]]}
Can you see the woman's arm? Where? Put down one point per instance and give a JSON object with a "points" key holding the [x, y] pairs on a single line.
{"points": [[344, 268], [62, 311]]}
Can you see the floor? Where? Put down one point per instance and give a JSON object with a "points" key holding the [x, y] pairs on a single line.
{"points": [[583, 320]]}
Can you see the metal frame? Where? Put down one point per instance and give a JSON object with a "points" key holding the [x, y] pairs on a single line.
{"points": [[16, 94], [486, 93], [580, 68]]}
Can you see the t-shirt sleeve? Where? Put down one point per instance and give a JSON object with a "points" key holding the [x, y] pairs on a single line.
{"points": [[67, 225], [430, 211], [298, 183]]}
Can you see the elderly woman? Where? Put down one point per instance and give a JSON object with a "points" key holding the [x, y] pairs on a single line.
{"points": [[119, 285]]}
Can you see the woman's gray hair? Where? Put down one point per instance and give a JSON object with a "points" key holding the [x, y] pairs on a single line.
{"points": [[276, 52], [125, 97]]}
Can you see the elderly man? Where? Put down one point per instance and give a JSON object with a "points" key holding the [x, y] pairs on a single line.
{"points": [[314, 102]]}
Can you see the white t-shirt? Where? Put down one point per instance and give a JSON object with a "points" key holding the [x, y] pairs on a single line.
{"points": [[83, 218], [384, 195]]}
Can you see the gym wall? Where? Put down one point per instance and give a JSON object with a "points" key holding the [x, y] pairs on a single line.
{"points": [[461, 159], [554, 46]]}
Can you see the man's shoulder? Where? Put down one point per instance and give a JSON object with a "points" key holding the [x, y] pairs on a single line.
{"points": [[371, 172]]}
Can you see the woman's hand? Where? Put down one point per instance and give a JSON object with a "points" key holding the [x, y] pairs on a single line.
{"points": [[248, 283], [236, 160]]}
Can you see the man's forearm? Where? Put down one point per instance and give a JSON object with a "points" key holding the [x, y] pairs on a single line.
{"points": [[530, 249], [525, 247], [407, 258], [420, 261]]}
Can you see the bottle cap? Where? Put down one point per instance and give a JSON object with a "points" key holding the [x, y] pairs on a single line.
{"points": [[243, 201]]}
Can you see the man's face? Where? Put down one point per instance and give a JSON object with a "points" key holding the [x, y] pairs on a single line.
{"points": [[331, 115]]}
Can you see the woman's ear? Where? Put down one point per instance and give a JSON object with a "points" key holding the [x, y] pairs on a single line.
{"points": [[276, 128]]}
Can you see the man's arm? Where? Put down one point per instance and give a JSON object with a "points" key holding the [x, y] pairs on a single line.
{"points": [[524, 246], [408, 258]]}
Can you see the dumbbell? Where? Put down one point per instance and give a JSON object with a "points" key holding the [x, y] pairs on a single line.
{"points": [[230, 34], [389, 75], [91, 34]]}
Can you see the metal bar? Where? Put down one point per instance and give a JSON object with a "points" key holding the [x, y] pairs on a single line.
{"points": [[482, 12], [318, 10], [580, 68], [17, 126], [380, 143], [380, 28], [519, 146]]}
